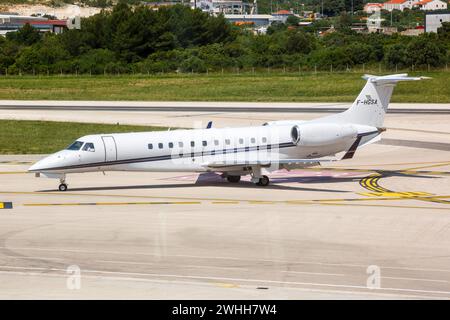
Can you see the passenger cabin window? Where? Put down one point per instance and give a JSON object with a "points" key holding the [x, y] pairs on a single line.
{"points": [[89, 146], [253, 140], [180, 144], [264, 139], [216, 142], [204, 143], [75, 146], [227, 141], [160, 145], [241, 141], [192, 144], [170, 145], [150, 146]]}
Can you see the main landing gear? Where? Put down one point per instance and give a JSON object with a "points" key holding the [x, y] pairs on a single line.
{"points": [[259, 181], [62, 186], [263, 181]]}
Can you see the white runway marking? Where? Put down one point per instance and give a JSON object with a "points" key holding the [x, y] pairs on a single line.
{"points": [[218, 278], [184, 265], [36, 258], [316, 273], [228, 258], [414, 279], [214, 267], [127, 262], [168, 282]]}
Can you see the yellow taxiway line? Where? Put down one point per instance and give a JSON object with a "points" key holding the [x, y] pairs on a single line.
{"points": [[109, 203], [371, 183]]}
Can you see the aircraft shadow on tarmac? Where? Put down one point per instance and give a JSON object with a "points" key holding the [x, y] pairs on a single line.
{"points": [[243, 184], [214, 180]]}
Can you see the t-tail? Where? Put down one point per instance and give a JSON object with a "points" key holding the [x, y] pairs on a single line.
{"points": [[372, 102]]}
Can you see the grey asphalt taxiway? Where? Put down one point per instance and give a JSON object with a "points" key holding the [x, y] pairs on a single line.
{"points": [[375, 226]]}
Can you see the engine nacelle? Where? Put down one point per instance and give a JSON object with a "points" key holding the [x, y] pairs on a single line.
{"points": [[320, 134]]}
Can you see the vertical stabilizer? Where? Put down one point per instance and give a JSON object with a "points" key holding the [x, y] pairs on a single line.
{"points": [[372, 102]]}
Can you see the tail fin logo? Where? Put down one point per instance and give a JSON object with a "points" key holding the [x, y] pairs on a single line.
{"points": [[368, 101]]}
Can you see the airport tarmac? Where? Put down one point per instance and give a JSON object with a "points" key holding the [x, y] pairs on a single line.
{"points": [[321, 233]]}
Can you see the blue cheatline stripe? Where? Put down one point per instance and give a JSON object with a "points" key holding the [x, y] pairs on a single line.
{"points": [[7, 205], [175, 156]]}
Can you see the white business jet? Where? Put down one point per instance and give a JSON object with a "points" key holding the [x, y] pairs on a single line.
{"points": [[233, 152]]}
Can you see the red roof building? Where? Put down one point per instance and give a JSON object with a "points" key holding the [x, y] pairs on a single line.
{"points": [[372, 7], [430, 5], [283, 13], [398, 4]]}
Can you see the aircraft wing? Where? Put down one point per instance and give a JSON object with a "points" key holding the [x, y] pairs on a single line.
{"points": [[217, 165]]}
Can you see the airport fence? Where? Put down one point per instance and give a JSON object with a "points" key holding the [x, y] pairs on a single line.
{"points": [[288, 70]]}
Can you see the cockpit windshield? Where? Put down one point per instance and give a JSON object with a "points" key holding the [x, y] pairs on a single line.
{"points": [[75, 146]]}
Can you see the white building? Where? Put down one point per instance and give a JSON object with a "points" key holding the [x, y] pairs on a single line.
{"points": [[433, 21], [228, 6], [224, 6], [282, 15], [429, 5], [374, 22], [398, 4], [372, 7]]}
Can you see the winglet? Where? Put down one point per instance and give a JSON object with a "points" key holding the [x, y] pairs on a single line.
{"points": [[209, 125]]}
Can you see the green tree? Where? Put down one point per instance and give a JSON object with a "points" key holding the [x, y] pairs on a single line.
{"points": [[8, 53], [276, 27], [444, 32], [333, 7], [427, 49], [193, 64], [299, 42], [28, 60], [396, 56], [27, 35], [96, 61], [345, 21], [292, 21]]}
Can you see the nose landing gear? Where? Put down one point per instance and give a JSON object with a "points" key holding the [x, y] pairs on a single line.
{"points": [[62, 186]]}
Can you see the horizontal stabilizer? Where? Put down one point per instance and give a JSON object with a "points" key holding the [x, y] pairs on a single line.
{"points": [[392, 78]]}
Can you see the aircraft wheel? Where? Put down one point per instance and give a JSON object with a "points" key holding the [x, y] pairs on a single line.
{"points": [[234, 179], [62, 187], [263, 181]]}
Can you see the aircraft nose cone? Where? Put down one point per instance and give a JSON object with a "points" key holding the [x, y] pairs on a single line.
{"points": [[49, 162], [35, 167]]}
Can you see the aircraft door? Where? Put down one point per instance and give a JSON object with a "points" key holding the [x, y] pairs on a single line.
{"points": [[110, 148]]}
